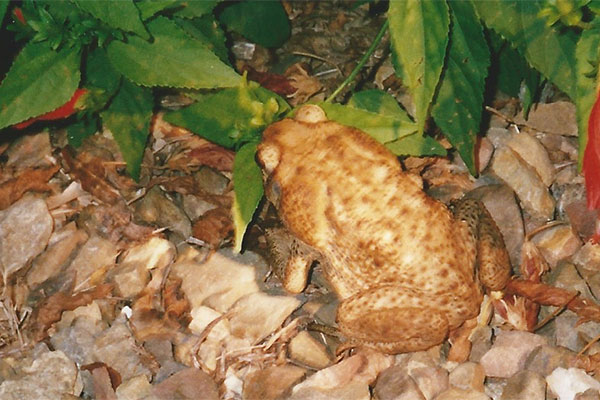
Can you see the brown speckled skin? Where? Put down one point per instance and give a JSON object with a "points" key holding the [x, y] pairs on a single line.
{"points": [[402, 265]]}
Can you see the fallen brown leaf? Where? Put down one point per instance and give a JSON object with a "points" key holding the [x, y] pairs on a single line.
{"points": [[274, 82], [52, 308], [107, 378], [92, 177], [30, 179], [213, 227]]}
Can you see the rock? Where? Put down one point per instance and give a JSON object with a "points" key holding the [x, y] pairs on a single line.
{"points": [[557, 243], [524, 385], [566, 276], [588, 256], [500, 202], [257, 315], [395, 384], [429, 377], [62, 244], [484, 153], [533, 153], [509, 353], [567, 383], [51, 376], [362, 368], [590, 394], [582, 219], [545, 359], [352, 391], [30, 151], [25, 229], [190, 383], [572, 335], [136, 388], [272, 382], [467, 376], [481, 342], [202, 316], [117, 348], [156, 208], [76, 332], [162, 351], [221, 280], [195, 207], [132, 274], [557, 118], [211, 180], [96, 257], [304, 349], [461, 394], [525, 181]]}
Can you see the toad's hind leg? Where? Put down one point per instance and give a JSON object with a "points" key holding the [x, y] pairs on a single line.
{"points": [[493, 261], [392, 319]]}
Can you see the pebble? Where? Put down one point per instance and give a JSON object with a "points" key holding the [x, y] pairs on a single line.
{"points": [[557, 243], [468, 376], [395, 384], [25, 229], [545, 359], [461, 394], [567, 383], [524, 385], [272, 382], [509, 353]]}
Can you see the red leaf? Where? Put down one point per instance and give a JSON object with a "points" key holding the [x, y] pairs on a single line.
{"points": [[67, 109], [591, 158], [19, 15]]}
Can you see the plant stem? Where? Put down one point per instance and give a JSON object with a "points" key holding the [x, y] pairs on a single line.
{"points": [[360, 64]]}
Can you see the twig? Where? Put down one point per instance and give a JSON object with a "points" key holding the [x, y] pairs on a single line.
{"points": [[360, 64]]}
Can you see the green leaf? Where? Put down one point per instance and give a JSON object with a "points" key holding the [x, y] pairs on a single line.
{"points": [[381, 127], [588, 57], [40, 80], [419, 35], [193, 9], [128, 118], [3, 8], [82, 129], [149, 8], [547, 49], [230, 117], [459, 102], [121, 14], [263, 22], [100, 75], [174, 59], [380, 102], [416, 145], [206, 30], [248, 187]]}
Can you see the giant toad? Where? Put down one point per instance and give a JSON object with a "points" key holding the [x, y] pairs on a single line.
{"points": [[405, 268]]}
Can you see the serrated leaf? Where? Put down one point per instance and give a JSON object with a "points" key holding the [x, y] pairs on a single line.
{"points": [[128, 118], [149, 8], [193, 9], [206, 30], [416, 145], [380, 102], [263, 22], [40, 80], [381, 127], [248, 188], [587, 57], [174, 59], [120, 14], [419, 36], [459, 101], [550, 51], [229, 117], [100, 75]]}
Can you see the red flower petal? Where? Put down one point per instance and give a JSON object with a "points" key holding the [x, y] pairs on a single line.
{"points": [[591, 158], [63, 111]]}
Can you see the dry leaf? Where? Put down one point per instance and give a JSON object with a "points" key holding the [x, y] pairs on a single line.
{"points": [[213, 227], [274, 82], [30, 179], [51, 310], [92, 175]]}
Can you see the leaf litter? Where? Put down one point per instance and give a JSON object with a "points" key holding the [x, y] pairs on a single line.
{"points": [[106, 294]]}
